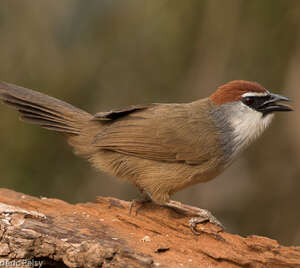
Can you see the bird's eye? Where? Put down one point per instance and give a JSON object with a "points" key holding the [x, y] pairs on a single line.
{"points": [[248, 101]]}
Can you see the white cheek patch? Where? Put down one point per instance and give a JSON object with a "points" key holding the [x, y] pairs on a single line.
{"points": [[255, 94], [247, 125]]}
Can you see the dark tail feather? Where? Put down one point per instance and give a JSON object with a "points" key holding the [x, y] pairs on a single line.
{"points": [[46, 111]]}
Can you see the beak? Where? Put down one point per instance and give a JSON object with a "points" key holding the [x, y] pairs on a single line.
{"points": [[272, 104]]}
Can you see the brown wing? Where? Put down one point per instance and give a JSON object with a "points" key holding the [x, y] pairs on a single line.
{"points": [[163, 132]]}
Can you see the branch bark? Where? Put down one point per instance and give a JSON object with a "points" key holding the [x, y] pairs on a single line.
{"points": [[103, 234]]}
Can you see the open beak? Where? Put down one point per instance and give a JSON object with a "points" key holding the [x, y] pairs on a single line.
{"points": [[273, 104]]}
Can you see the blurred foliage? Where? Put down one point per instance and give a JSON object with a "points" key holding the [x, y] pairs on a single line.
{"points": [[106, 54]]}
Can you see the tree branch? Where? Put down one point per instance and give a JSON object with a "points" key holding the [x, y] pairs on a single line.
{"points": [[103, 234]]}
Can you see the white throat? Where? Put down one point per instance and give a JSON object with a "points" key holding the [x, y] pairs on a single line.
{"points": [[247, 124], [239, 125]]}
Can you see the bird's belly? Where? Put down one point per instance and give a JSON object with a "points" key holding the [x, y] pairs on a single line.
{"points": [[159, 179]]}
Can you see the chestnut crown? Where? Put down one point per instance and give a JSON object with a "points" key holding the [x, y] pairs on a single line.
{"points": [[234, 91]]}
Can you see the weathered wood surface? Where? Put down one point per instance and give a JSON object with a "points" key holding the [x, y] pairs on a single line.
{"points": [[103, 234]]}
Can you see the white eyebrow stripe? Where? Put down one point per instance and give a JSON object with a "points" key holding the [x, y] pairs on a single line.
{"points": [[254, 94]]}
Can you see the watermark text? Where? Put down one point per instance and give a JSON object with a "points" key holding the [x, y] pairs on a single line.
{"points": [[21, 263]]}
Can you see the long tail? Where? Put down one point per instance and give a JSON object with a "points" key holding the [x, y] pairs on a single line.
{"points": [[48, 112]]}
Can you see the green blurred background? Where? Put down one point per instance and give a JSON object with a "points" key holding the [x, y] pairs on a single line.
{"points": [[106, 54]]}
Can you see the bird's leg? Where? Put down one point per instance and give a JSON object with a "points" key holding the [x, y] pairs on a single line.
{"points": [[144, 198], [202, 215]]}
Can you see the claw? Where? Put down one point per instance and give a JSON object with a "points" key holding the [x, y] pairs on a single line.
{"points": [[202, 215], [205, 216], [134, 203], [193, 222]]}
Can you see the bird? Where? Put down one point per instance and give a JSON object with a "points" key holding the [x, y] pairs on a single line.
{"points": [[160, 148]]}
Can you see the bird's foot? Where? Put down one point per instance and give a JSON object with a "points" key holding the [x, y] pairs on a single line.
{"points": [[202, 215], [141, 202]]}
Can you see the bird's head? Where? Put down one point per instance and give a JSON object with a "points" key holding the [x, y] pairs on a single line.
{"points": [[242, 111], [252, 95]]}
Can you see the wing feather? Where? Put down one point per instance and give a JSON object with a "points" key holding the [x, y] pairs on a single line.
{"points": [[164, 132]]}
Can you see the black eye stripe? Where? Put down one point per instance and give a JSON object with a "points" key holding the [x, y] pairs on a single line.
{"points": [[255, 102]]}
